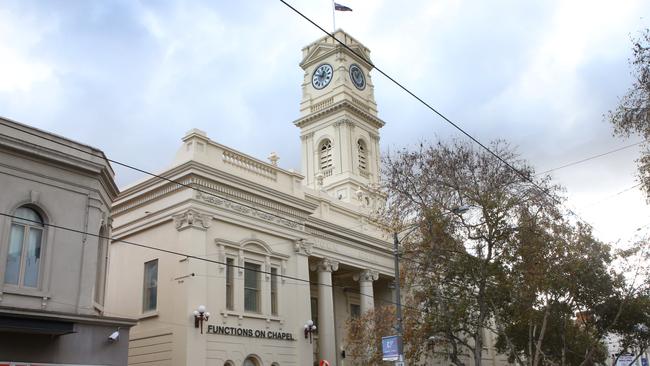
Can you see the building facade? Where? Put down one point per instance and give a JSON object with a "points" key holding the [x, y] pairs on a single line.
{"points": [[52, 280], [263, 249]]}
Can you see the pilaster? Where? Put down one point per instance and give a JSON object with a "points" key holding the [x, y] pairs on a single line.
{"points": [[302, 314], [192, 239]]}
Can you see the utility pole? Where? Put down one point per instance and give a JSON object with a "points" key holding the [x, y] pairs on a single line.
{"points": [[398, 303]]}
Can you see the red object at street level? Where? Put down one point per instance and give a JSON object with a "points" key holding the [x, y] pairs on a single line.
{"points": [[323, 363]]}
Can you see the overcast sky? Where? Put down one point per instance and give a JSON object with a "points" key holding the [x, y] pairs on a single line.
{"points": [[131, 77]]}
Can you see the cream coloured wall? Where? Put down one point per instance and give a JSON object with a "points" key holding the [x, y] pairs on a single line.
{"points": [[223, 224]]}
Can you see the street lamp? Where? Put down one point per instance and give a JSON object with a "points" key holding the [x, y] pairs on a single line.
{"points": [[200, 315], [398, 298], [310, 328]]}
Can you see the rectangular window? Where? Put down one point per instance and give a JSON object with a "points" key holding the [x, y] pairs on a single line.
{"points": [[230, 270], [274, 291], [314, 312], [252, 287], [355, 311], [150, 293]]}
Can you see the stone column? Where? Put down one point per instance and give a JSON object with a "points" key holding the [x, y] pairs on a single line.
{"points": [[366, 293], [326, 328]]}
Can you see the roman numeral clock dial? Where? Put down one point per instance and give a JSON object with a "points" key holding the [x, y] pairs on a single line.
{"points": [[322, 76]]}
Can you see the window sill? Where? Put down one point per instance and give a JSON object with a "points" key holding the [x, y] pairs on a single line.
{"points": [[21, 291], [148, 315]]}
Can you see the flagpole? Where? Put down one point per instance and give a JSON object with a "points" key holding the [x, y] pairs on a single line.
{"points": [[333, 17]]}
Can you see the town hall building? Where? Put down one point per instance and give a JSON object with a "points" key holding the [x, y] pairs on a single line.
{"points": [[225, 258]]}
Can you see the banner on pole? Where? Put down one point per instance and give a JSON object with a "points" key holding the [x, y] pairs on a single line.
{"points": [[390, 348]]}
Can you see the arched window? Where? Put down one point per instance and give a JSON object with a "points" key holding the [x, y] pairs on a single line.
{"points": [[325, 154], [228, 363], [25, 246], [362, 152], [251, 361]]}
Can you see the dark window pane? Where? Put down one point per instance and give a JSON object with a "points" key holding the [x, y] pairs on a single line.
{"points": [[274, 291], [229, 283], [251, 287], [33, 257], [355, 310], [12, 271], [150, 293], [314, 312]]}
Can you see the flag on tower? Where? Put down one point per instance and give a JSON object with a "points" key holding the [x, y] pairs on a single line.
{"points": [[340, 7]]}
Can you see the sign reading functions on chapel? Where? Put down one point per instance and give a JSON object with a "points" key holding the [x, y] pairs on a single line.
{"points": [[247, 332]]}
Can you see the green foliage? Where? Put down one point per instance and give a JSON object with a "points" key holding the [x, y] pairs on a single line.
{"points": [[632, 115], [511, 265]]}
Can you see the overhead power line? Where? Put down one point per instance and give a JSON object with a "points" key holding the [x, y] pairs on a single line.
{"points": [[591, 158], [158, 176], [191, 256], [434, 110]]}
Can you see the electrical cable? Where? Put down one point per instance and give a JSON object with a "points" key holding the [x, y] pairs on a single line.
{"points": [[449, 121], [102, 156], [591, 158]]}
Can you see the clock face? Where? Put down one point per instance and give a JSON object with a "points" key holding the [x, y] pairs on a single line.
{"points": [[356, 74], [322, 76]]}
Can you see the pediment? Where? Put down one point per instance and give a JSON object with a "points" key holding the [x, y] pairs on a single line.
{"points": [[318, 52], [323, 50]]}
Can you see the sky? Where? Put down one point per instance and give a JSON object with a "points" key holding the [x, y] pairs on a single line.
{"points": [[131, 77]]}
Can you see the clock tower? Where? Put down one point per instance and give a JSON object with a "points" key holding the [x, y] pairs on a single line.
{"points": [[339, 127]]}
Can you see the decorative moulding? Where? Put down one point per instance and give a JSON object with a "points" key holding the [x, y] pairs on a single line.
{"points": [[367, 275], [303, 247], [192, 219]]}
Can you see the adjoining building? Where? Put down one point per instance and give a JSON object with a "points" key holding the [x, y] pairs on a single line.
{"points": [[255, 234], [52, 280]]}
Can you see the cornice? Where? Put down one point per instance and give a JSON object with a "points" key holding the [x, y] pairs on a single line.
{"points": [[323, 228], [101, 168], [220, 185], [343, 104], [49, 157]]}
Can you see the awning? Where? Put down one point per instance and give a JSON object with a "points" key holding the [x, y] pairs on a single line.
{"points": [[35, 325]]}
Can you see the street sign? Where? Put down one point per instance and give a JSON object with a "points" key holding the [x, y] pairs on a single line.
{"points": [[644, 361], [390, 348], [625, 360]]}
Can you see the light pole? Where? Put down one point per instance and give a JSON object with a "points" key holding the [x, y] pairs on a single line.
{"points": [[398, 298], [200, 315], [310, 328]]}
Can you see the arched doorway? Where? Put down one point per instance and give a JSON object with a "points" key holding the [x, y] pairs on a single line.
{"points": [[252, 361]]}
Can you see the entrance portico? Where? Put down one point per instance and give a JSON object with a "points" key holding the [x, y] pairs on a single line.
{"points": [[340, 292]]}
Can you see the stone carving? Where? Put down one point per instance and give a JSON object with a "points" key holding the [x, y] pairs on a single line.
{"points": [[325, 265], [303, 247], [273, 158], [344, 121], [319, 179], [248, 211], [192, 218], [367, 275]]}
